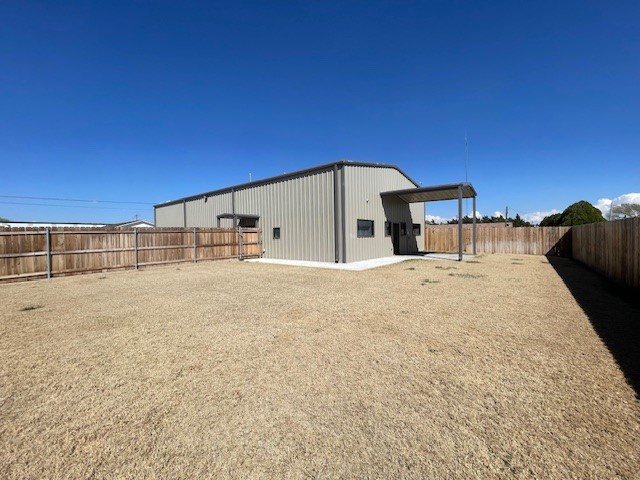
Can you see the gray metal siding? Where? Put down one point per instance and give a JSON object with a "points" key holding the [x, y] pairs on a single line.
{"points": [[362, 201], [302, 208], [417, 216], [170, 215], [201, 213]]}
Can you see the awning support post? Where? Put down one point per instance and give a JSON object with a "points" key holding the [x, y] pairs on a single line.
{"points": [[474, 226], [459, 223]]}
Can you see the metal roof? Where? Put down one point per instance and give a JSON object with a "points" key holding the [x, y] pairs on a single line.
{"points": [[286, 176], [433, 193]]}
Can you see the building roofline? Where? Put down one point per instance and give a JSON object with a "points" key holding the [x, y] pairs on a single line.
{"points": [[121, 224], [286, 176]]}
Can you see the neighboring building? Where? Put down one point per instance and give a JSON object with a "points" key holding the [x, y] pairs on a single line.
{"points": [[331, 213], [133, 224], [124, 225], [51, 225]]}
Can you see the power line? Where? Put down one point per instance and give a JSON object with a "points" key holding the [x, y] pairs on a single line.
{"points": [[69, 206], [74, 200]]}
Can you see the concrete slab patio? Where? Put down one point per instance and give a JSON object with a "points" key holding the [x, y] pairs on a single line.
{"points": [[364, 264]]}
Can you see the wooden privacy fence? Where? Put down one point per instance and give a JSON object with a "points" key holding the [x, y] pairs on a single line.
{"points": [[26, 253], [610, 248], [520, 240]]}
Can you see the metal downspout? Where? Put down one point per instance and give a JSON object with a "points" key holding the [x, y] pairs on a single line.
{"points": [[344, 222], [233, 208]]}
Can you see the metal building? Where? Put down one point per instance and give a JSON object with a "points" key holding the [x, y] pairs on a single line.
{"points": [[338, 212]]}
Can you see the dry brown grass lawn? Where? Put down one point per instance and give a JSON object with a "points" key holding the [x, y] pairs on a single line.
{"points": [[244, 370]]}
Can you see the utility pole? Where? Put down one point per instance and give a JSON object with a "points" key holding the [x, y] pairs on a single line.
{"points": [[506, 215]]}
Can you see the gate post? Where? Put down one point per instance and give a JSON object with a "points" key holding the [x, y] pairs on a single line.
{"points": [[48, 242], [240, 242], [135, 248], [195, 255]]}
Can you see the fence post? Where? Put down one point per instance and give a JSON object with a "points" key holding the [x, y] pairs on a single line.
{"points": [[240, 241], [48, 242], [195, 257], [135, 248]]}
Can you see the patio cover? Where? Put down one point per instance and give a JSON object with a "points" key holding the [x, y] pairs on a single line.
{"points": [[437, 193]]}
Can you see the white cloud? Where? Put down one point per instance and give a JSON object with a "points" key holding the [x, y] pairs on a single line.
{"points": [[439, 219], [629, 198], [435, 218], [536, 217], [498, 214], [604, 204]]}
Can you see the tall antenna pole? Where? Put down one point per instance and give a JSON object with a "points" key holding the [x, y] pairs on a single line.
{"points": [[466, 156], [466, 161], [610, 210]]}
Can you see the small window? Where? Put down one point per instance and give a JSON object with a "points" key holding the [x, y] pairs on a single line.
{"points": [[387, 229], [416, 229], [276, 233], [365, 228], [403, 229]]}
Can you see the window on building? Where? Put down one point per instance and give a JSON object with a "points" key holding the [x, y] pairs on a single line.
{"points": [[276, 233], [365, 228], [403, 228], [387, 229], [416, 229], [248, 222]]}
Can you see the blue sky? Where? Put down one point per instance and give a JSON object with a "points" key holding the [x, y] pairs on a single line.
{"points": [[146, 101]]}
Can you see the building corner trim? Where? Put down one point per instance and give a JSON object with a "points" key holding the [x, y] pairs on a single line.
{"points": [[336, 222]]}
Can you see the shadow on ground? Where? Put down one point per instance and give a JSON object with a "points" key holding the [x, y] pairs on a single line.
{"points": [[613, 311]]}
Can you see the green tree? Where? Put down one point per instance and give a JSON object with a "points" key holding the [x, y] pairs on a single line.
{"points": [[516, 222], [578, 213], [519, 222], [552, 220]]}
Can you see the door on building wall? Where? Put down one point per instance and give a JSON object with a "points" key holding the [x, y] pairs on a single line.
{"points": [[395, 238]]}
